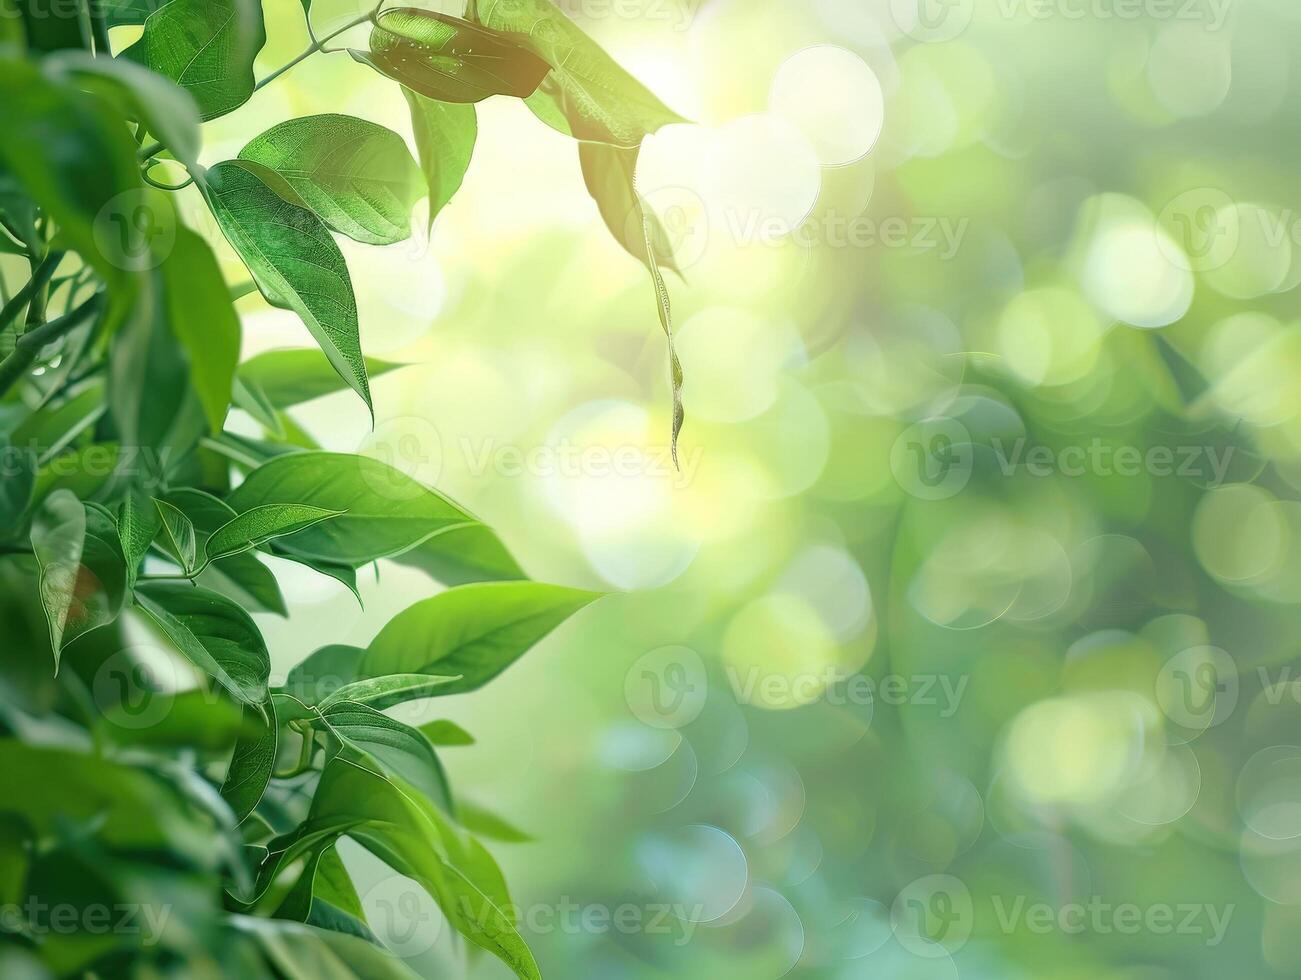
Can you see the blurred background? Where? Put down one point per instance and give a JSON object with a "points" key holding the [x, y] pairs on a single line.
{"points": [[962, 644]]}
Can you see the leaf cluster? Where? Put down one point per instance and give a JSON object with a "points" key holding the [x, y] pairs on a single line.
{"points": [[147, 756]]}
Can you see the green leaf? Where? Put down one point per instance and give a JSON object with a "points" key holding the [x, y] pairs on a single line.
{"points": [[322, 673], [462, 555], [665, 310], [586, 95], [206, 47], [610, 175], [167, 111], [130, 808], [293, 259], [334, 885], [239, 577], [303, 952], [387, 512], [409, 834], [194, 720], [345, 575], [384, 692], [476, 631], [479, 820], [291, 377], [119, 13], [204, 320], [49, 28], [248, 396], [13, 35], [357, 176], [73, 155], [84, 471], [396, 747], [150, 395], [51, 429], [261, 524], [324, 896], [253, 759], [178, 535], [445, 134], [213, 633], [447, 733], [14, 859], [82, 571], [17, 480], [138, 523], [450, 59]]}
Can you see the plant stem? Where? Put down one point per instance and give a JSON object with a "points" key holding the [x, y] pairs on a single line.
{"points": [[28, 347], [316, 46], [40, 277], [99, 26], [84, 26], [306, 750], [165, 187], [47, 333], [153, 149]]}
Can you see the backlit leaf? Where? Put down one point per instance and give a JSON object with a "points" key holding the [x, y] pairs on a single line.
{"points": [[476, 631], [383, 511], [240, 577], [293, 259], [587, 94], [609, 172], [178, 535], [82, 570], [450, 59], [357, 176], [445, 134], [384, 692], [206, 47], [293, 376], [260, 524]]}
